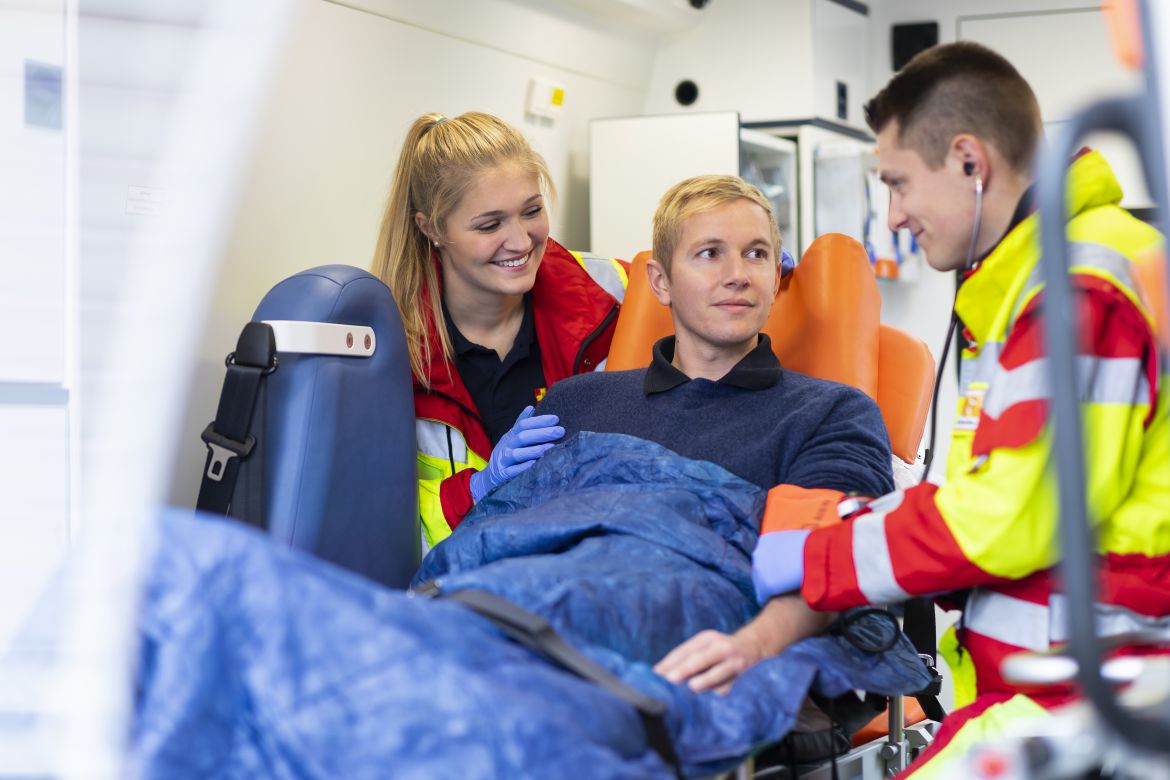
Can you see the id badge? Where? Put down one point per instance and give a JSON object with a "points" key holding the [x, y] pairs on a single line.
{"points": [[971, 407]]}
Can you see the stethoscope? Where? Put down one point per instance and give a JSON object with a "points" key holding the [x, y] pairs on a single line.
{"points": [[969, 169]]}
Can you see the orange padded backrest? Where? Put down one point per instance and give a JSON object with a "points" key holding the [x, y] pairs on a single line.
{"points": [[641, 322], [905, 377], [825, 321], [1150, 278]]}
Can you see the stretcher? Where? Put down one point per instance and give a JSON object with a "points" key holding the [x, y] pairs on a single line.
{"points": [[332, 371]]}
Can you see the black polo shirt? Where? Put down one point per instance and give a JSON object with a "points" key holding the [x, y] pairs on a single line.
{"points": [[757, 370], [500, 388]]}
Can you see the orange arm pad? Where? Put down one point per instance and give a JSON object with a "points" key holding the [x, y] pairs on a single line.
{"points": [[792, 508]]}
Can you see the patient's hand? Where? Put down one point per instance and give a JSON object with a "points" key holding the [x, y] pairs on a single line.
{"points": [[713, 660]]}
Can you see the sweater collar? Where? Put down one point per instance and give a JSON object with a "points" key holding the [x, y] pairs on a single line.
{"points": [[757, 370]]}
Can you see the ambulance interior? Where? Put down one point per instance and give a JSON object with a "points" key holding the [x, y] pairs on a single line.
{"points": [[169, 167]]}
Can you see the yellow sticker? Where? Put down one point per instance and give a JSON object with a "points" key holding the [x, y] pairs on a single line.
{"points": [[971, 407], [540, 391]]}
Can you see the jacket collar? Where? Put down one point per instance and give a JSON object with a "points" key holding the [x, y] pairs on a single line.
{"points": [[567, 308], [1004, 272]]}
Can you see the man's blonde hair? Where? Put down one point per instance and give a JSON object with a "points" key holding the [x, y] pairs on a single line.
{"points": [[698, 194]]}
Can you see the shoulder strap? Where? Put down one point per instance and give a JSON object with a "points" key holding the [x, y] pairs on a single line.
{"points": [[918, 625], [535, 633], [227, 438]]}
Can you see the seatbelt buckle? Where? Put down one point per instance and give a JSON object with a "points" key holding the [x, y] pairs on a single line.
{"points": [[222, 450]]}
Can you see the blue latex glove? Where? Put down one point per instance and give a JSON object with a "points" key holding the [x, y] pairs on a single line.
{"points": [[787, 263], [778, 564], [516, 451]]}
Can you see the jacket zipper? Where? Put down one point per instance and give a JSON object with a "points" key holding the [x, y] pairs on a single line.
{"points": [[592, 336]]}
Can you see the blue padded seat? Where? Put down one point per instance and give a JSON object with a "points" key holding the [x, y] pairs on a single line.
{"points": [[340, 478]]}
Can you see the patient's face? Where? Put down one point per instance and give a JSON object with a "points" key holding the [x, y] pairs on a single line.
{"points": [[496, 236], [723, 277]]}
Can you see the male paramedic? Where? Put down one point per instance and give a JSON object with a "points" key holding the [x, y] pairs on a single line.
{"points": [[957, 132], [716, 392]]}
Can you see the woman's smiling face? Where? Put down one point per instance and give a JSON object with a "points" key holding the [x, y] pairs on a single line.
{"points": [[495, 238]]}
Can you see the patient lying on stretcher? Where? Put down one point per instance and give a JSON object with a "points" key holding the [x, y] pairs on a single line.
{"points": [[716, 392], [259, 661]]}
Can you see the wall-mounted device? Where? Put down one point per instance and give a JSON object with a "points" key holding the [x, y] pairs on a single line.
{"points": [[906, 40]]}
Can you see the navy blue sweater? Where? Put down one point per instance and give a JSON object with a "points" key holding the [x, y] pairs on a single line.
{"points": [[796, 430]]}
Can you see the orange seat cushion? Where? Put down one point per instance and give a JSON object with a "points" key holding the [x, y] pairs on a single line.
{"points": [[880, 726]]}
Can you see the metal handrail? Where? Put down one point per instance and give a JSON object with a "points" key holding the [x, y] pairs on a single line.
{"points": [[1139, 118]]}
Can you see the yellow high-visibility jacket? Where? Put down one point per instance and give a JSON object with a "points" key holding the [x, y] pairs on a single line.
{"points": [[991, 528]]}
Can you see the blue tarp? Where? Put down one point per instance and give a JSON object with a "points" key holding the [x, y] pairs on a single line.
{"points": [[258, 661]]}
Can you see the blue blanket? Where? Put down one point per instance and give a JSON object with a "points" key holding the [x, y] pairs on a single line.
{"points": [[258, 661]]}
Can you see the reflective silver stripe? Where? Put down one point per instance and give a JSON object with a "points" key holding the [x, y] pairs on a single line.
{"points": [[604, 272], [1082, 254], [887, 503], [1022, 623], [432, 440], [1099, 381], [1110, 619], [982, 367], [1007, 619], [871, 554]]}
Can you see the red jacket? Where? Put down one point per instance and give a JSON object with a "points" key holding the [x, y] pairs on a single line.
{"points": [[574, 319]]}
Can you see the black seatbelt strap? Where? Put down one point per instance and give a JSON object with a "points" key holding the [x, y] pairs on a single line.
{"points": [[227, 438], [535, 633], [918, 625]]}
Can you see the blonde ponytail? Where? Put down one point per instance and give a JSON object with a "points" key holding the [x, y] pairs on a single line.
{"points": [[402, 258]]}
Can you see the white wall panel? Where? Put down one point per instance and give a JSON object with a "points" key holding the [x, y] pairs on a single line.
{"points": [[637, 159], [751, 56], [34, 504], [551, 32], [34, 309], [32, 203], [840, 54]]}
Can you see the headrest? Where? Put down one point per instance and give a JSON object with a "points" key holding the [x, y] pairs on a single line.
{"points": [[825, 319], [641, 321], [338, 432], [1150, 278], [332, 293]]}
